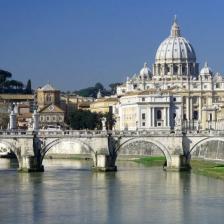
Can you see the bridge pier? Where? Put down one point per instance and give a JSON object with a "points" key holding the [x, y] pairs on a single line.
{"points": [[30, 163], [178, 163], [104, 163]]}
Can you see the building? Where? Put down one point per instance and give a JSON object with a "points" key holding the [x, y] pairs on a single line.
{"points": [[72, 102], [16, 100], [175, 94], [102, 105], [47, 95], [49, 106]]}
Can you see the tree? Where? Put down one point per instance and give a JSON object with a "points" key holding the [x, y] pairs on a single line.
{"points": [[113, 87], [13, 84], [4, 75], [91, 91], [28, 87], [99, 86], [4, 120], [83, 119]]}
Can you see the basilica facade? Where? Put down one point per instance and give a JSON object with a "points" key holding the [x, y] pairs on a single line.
{"points": [[174, 94]]}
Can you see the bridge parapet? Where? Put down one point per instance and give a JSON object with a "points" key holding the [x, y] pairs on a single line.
{"points": [[16, 133]]}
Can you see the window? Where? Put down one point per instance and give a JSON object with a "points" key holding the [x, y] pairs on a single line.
{"points": [[205, 86], [158, 115], [174, 99], [217, 85], [194, 99], [143, 99], [143, 116], [210, 117], [48, 98], [185, 117], [143, 124], [195, 115], [216, 99], [47, 118]]}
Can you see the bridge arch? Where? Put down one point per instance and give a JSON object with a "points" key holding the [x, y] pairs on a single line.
{"points": [[205, 140], [11, 147], [55, 142], [163, 149]]}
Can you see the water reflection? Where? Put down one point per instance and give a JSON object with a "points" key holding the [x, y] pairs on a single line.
{"points": [[69, 192]]}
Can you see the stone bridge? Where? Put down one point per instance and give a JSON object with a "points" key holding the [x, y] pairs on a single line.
{"points": [[30, 148]]}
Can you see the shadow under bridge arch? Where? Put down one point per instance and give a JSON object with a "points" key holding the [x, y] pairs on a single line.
{"points": [[208, 148], [135, 141], [8, 149], [73, 146]]}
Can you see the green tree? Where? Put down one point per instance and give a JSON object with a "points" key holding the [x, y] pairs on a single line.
{"points": [[83, 119], [113, 87], [4, 120], [4, 75], [91, 91], [28, 87]]}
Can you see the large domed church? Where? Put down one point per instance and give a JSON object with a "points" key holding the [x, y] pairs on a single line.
{"points": [[174, 94]]}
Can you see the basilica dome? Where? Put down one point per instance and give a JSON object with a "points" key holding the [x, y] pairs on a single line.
{"points": [[175, 48]]}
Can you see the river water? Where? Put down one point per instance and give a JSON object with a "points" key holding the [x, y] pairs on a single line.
{"points": [[68, 192]]}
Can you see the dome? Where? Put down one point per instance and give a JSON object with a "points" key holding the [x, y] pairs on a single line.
{"points": [[175, 48], [145, 72], [206, 70]]}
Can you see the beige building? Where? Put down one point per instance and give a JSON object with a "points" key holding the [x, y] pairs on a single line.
{"points": [[49, 106], [175, 91], [47, 95], [51, 115], [102, 105]]}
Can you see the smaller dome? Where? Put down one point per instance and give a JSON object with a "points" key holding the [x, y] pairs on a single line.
{"points": [[206, 70], [145, 72]]}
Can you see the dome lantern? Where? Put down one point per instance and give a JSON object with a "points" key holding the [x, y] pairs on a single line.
{"points": [[175, 29]]}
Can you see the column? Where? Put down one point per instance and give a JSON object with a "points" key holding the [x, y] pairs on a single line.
{"points": [[164, 117], [167, 117], [180, 69], [12, 120], [187, 108], [191, 109], [150, 117], [199, 108], [153, 116]]}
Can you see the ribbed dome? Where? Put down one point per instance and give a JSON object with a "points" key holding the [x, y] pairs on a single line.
{"points": [[145, 72], [175, 48], [206, 70]]}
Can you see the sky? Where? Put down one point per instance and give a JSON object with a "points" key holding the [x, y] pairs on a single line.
{"points": [[73, 44]]}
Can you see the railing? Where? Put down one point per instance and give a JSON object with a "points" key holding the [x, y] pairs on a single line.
{"points": [[15, 132], [101, 133]]}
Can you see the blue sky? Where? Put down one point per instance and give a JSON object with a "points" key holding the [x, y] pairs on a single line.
{"points": [[76, 43]]}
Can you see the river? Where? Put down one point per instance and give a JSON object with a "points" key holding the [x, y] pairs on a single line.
{"points": [[68, 192]]}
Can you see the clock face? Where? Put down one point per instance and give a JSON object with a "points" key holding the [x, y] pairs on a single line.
{"points": [[51, 108]]}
